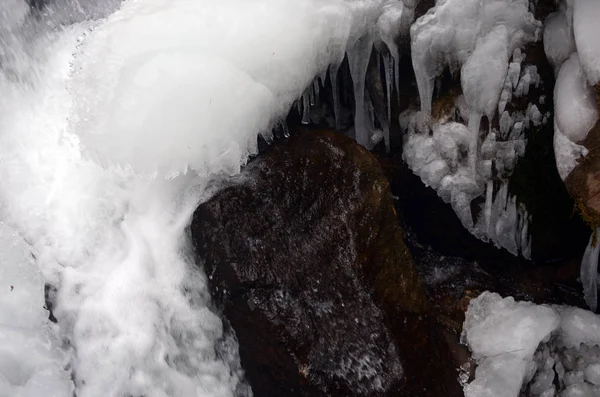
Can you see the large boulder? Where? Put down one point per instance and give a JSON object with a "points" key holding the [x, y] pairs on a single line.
{"points": [[306, 261]]}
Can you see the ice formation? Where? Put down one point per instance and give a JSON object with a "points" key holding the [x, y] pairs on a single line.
{"points": [[571, 45], [111, 131], [586, 14], [482, 41], [447, 36], [540, 350]]}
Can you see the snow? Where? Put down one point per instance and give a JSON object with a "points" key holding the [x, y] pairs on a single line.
{"points": [[520, 345], [575, 106], [586, 14], [111, 133]]}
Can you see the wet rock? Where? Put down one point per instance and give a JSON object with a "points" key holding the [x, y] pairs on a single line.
{"points": [[307, 263], [584, 181]]}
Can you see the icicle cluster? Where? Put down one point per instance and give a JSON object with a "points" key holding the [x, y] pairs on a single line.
{"points": [[482, 39], [384, 27]]}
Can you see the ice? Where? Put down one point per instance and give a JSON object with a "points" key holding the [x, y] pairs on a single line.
{"points": [[559, 42], [394, 25], [112, 131], [586, 14], [539, 348], [448, 34], [589, 271], [444, 162], [482, 76], [358, 59], [566, 153], [575, 106], [503, 336], [24, 329]]}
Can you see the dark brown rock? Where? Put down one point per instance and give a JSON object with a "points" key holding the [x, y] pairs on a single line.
{"points": [[303, 253], [584, 181]]}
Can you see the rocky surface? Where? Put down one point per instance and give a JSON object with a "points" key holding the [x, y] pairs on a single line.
{"points": [[306, 261], [584, 181]]}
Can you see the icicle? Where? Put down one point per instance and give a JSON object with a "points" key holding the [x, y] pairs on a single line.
{"points": [[488, 206], [386, 136], [358, 59], [317, 88], [474, 122], [389, 77], [396, 58], [370, 113], [589, 272], [285, 129], [337, 114], [305, 108], [311, 95]]}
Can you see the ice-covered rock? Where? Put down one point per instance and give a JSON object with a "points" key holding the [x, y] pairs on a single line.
{"points": [[483, 74], [521, 346]]}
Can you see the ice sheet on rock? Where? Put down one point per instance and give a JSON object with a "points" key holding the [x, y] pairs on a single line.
{"points": [[566, 153], [503, 336], [586, 14], [576, 110], [559, 42]]}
